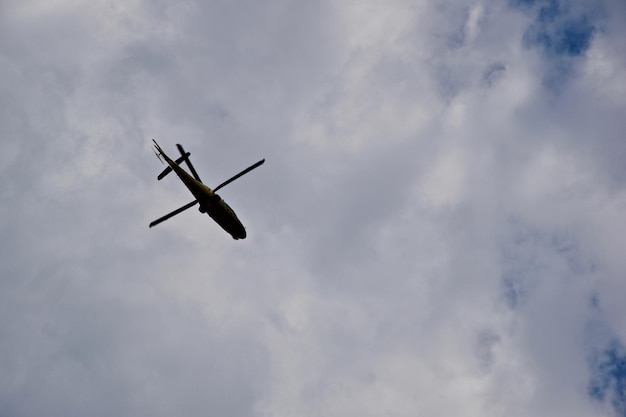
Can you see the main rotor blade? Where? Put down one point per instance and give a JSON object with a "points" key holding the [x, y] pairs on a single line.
{"points": [[245, 171], [174, 213], [188, 161]]}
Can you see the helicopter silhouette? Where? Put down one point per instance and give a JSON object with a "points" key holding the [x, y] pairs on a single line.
{"points": [[209, 201]]}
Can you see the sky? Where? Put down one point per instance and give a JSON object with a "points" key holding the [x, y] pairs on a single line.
{"points": [[438, 230]]}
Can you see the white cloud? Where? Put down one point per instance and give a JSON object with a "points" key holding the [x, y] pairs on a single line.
{"points": [[435, 231]]}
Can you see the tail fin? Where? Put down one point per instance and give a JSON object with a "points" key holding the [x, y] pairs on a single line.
{"points": [[158, 156], [157, 147], [158, 151], [168, 169]]}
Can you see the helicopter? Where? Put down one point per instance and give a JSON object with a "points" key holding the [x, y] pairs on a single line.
{"points": [[209, 201]]}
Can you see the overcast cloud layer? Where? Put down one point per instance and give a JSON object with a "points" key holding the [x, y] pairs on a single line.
{"points": [[439, 228]]}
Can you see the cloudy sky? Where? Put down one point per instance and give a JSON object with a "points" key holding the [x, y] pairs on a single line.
{"points": [[439, 228]]}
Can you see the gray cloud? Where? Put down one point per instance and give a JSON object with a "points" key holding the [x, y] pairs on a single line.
{"points": [[435, 231]]}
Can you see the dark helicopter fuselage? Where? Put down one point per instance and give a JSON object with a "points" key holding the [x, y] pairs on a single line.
{"points": [[210, 202]]}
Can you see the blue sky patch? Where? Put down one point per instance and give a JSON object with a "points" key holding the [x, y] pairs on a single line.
{"points": [[558, 31], [560, 37], [608, 380], [561, 32]]}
